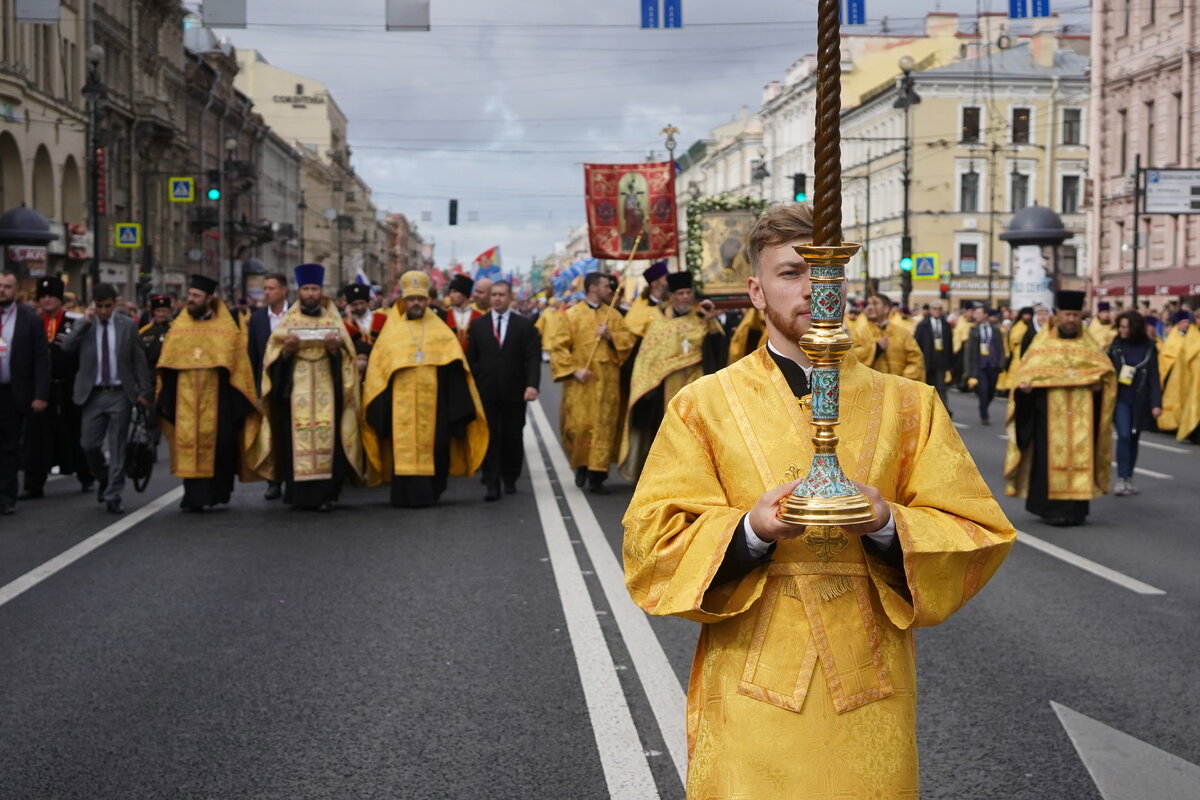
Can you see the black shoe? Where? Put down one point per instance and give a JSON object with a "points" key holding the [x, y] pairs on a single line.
{"points": [[581, 476], [599, 488], [325, 507], [273, 492], [510, 488], [985, 421], [115, 506], [1060, 522], [100, 491], [493, 494], [8, 511], [90, 486], [31, 494]]}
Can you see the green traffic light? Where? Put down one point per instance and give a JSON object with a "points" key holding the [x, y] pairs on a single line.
{"points": [[214, 194], [906, 264], [801, 197]]}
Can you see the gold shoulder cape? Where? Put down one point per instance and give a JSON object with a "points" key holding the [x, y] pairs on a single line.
{"points": [[804, 680], [1187, 371], [406, 357], [312, 364], [1079, 451], [211, 344], [641, 314]]}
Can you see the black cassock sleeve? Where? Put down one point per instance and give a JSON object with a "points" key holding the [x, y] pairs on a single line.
{"points": [[455, 397], [715, 354]]}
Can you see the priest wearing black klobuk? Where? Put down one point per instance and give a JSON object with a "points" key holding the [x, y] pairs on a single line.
{"points": [[682, 344], [311, 399], [424, 420]]}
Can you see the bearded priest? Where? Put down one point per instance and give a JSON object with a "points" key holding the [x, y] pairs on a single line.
{"points": [[1060, 419], [310, 398], [684, 343], [424, 420], [703, 541], [207, 400]]}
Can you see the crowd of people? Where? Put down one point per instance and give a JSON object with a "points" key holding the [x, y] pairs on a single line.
{"points": [[307, 391]]}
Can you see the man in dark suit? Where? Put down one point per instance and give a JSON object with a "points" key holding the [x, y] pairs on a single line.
{"points": [[112, 376], [262, 323], [934, 337], [24, 381], [504, 352], [983, 358]]}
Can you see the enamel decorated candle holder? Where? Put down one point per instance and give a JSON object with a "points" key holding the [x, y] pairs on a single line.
{"points": [[826, 497]]}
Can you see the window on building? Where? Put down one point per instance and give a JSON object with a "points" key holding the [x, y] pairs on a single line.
{"points": [[299, 88], [1019, 191], [968, 258], [970, 124], [968, 191], [1068, 260], [1122, 141], [1070, 194], [1178, 97], [1020, 125], [1149, 134], [1072, 132]]}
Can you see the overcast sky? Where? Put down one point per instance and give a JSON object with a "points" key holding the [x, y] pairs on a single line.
{"points": [[504, 100]]}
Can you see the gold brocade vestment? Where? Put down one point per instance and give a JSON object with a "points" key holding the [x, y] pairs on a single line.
{"points": [[406, 357], [314, 417], [670, 355], [1079, 437], [902, 356], [1172, 382], [739, 344], [590, 414], [199, 350], [1187, 375], [641, 314], [1102, 333], [804, 679]]}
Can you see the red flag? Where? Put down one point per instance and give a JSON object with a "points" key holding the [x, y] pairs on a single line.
{"points": [[624, 200]]}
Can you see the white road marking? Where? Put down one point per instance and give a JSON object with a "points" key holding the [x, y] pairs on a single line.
{"points": [[621, 756], [1122, 580], [667, 699], [960, 425], [1149, 473], [1164, 447], [96, 540], [1123, 766]]}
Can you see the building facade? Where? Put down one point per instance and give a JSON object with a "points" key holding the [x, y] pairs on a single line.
{"points": [[1145, 74]]}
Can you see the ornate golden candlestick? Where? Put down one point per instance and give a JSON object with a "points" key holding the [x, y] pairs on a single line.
{"points": [[826, 497]]}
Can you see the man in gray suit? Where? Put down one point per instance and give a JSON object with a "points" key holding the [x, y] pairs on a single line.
{"points": [[112, 377]]}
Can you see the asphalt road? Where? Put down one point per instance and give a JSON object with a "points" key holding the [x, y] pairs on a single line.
{"points": [[486, 650]]}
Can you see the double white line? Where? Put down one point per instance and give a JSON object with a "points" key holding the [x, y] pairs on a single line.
{"points": [[625, 768]]}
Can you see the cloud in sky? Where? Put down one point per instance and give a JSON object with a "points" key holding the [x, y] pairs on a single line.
{"points": [[503, 101]]}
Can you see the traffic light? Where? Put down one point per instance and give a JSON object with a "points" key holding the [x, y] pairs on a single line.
{"points": [[453, 212], [906, 265], [945, 291], [800, 187], [214, 184]]}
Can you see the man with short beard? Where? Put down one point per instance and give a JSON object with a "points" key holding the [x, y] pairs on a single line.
{"points": [[1060, 420], [682, 344], [310, 398], [52, 438], [206, 398], [884, 344], [424, 419], [703, 541]]}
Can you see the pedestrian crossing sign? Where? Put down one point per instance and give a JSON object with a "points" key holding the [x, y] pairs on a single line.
{"points": [[128, 234], [183, 190], [925, 266]]}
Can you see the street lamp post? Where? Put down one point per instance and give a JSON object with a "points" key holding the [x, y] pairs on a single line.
{"points": [[906, 100], [93, 92], [302, 207]]}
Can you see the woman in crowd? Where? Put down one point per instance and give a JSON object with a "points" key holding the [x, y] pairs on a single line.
{"points": [[1139, 393]]}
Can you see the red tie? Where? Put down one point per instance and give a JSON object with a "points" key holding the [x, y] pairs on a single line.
{"points": [[496, 328]]}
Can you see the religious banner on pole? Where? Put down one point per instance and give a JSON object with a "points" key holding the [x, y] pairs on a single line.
{"points": [[625, 201]]}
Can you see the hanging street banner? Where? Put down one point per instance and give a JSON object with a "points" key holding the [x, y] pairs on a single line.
{"points": [[664, 13], [650, 13], [672, 13], [854, 12], [1019, 9], [625, 200]]}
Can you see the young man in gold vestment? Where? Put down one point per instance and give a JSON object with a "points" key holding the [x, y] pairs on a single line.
{"points": [[423, 420], [311, 398], [207, 400], [884, 344], [649, 304], [1182, 331], [804, 679], [1060, 419], [684, 343], [587, 347], [1187, 379]]}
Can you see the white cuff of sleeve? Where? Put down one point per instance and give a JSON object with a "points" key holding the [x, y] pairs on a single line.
{"points": [[882, 538], [757, 547]]}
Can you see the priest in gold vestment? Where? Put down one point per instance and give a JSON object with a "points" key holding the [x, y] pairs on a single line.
{"points": [[1101, 327], [310, 398], [424, 420], [804, 680], [587, 348], [684, 343], [1187, 378], [206, 399], [1168, 358], [885, 345], [1060, 420], [649, 304]]}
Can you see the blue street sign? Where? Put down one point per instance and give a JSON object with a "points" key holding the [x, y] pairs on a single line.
{"points": [[1018, 9], [1039, 8], [128, 234], [854, 12], [650, 13], [183, 190], [925, 266], [672, 13]]}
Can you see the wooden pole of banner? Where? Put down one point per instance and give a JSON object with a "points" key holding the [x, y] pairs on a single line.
{"points": [[613, 303]]}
